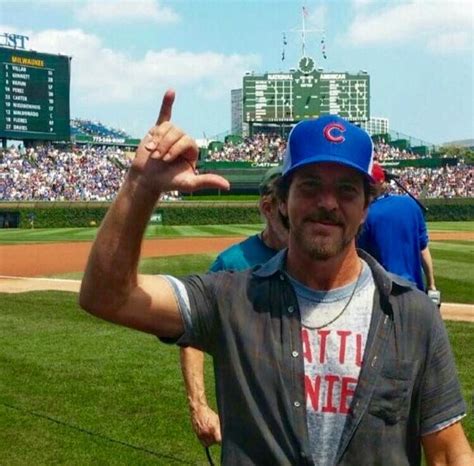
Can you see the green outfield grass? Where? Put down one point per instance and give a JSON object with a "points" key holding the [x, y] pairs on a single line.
{"points": [[79, 391], [450, 226], [453, 267], [47, 235], [73, 387], [41, 235]]}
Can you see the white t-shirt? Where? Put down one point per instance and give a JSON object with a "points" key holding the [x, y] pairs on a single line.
{"points": [[332, 356]]}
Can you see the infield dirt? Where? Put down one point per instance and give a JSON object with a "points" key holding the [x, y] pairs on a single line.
{"points": [[20, 263]]}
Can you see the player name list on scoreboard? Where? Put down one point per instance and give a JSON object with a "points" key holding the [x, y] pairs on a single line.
{"points": [[35, 103], [29, 98]]}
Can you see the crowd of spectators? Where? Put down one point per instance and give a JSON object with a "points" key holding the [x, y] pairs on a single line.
{"points": [[48, 174], [269, 148], [449, 181], [51, 174], [384, 151], [260, 148], [95, 173]]}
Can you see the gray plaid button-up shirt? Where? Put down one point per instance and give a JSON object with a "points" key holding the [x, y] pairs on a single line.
{"points": [[250, 323]]}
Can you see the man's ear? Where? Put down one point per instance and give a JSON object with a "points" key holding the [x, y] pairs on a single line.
{"points": [[265, 206]]}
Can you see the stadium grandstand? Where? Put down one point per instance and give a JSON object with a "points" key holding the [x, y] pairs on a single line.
{"points": [[93, 166], [56, 158], [95, 128], [94, 132], [431, 169]]}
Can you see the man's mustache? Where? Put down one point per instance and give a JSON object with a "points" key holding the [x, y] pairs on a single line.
{"points": [[325, 216]]}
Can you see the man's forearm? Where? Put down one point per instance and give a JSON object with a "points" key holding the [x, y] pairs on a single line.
{"points": [[192, 367], [205, 421], [427, 264], [113, 262]]}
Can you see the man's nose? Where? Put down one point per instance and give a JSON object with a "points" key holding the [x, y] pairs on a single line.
{"points": [[327, 199]]}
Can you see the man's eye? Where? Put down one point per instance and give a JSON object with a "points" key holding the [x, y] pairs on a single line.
{"points": [[310, 184], [348, 189]]}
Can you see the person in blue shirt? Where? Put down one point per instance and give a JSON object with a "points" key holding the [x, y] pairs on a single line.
{"points": [[259, 248], [395, 234], [255, 250]]}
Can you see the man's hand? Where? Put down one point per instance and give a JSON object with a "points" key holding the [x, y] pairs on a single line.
{"points": [[111, 287], [206, 425], [166, 158]]}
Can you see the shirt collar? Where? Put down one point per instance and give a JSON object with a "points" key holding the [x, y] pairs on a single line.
{"points": [[386, 282], [274, 265]]}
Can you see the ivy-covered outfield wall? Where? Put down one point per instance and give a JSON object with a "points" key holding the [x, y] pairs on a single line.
{"points": [[77, 214]]}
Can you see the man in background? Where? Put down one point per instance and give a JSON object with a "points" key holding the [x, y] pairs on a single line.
{"points": [[255, 250], [395, 234]]}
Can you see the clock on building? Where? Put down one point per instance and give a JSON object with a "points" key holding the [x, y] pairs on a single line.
{"points": [[306, 64]]}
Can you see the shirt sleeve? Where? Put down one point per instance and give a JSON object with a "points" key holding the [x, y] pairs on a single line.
{"points": [[196, 303], [182, 299], [422, 231], [441, 398]]}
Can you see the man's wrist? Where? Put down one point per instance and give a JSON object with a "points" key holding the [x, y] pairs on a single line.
{"points": [[141, 186], [196, 405]]}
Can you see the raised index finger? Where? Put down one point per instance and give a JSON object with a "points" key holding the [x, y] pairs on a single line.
{"points": [[166, 107]]}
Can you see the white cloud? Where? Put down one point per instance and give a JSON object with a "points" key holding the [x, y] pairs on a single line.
{"points": [[450, 42], [362, 3], [102, 75], [317, 17], [416, 20], [125, 11]]}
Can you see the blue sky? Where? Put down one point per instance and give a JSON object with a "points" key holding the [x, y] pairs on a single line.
{"points": [[419, 54]]}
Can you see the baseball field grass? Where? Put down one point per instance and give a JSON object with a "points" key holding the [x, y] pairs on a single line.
{"points": [[46, 235], [453, 267], [79, 391], [41, 235]]}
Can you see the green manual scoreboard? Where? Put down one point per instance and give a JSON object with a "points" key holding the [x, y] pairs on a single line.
{"points": [[34, 97], [305, 93]]}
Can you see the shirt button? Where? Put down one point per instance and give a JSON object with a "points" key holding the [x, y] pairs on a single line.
{"points": [[282, 277], [295, 354], [296, 404], [291, 309]]}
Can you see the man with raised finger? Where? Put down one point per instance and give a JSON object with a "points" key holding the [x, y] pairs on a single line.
{"points": [[320, 355]]}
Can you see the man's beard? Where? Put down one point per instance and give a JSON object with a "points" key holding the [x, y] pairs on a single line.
{"points": [[322, 246]]}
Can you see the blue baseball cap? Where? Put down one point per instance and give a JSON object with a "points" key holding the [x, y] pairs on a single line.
{"points": [[329, 139]]}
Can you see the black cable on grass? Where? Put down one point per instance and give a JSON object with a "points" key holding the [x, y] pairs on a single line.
{"points": [[209, 457], [95, 434]]}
